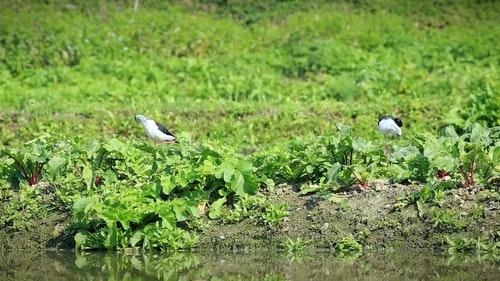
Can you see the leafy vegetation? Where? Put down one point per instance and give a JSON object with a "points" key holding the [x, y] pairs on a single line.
{"points": [[258, 94], [348, 248], [471, 245], [295, 245], [130, 194], [298, 68]]}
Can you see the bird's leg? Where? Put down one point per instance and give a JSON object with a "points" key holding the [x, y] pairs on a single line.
{"points": [[156, 143], [387, 149]]}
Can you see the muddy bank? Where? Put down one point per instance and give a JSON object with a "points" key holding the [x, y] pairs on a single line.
{"points": [[369, 216], [44, 234]]}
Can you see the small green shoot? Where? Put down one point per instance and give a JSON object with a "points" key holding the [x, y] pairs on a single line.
{"points": [[347, 247], [295, 245]]}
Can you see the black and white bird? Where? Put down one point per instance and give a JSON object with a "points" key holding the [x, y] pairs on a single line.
{"points": [[155, 130], [389, 125]]}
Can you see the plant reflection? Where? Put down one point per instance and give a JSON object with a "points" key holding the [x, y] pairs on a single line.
{"points": [[133, 264]]}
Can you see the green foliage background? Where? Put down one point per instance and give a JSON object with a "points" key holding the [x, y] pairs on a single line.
{"points": [[249, 73]]}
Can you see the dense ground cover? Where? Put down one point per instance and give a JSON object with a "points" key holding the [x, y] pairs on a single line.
{"points": [[299, 69], [259, 93]]}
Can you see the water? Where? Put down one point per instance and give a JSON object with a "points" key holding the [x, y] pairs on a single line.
{"points": [[256, 265]]}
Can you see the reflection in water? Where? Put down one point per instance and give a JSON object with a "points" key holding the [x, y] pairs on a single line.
{"points": [[256, 265]]}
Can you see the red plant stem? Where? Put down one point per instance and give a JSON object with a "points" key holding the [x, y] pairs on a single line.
{"points": [[38, 172], [361, 183], [464, 175], [32, 174], [472, 169]]}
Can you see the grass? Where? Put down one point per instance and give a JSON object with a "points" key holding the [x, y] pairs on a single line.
{"points": [[290, 73]]}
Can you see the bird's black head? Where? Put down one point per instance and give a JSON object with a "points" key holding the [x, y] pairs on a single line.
{"points": [[384, 117], [395, 119], [398, 122]]}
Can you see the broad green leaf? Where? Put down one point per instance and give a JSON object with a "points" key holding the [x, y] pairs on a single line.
{"points": [[309, 189], [116, 145], [55, 165], [111, 237], [228, 174], [360, 144], [405, 152], [80, 239], [167, 185], [92, 148], [309, 169], [81, 261], [480, 135], [422, 208], [333, 171], [179, 207], [179, 179], [496, 156], [127, 216], [216, 208], [269, 183], [343, 130], [88, 176], [450, 132], [166, 213], [80, 205], [137, 237], [108, 214], [207, 167], [243, 184], [245, 166], [225, 171]]}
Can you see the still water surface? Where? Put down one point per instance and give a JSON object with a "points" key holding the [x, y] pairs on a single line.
{"points": [[255, 265]]}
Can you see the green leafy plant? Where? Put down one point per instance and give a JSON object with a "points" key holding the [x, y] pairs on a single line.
{"points": [[478, 212], [470, 245], [275, 214], [257, 208], [347, 247], [363, 235], [443, 219], [295, 245], [471, 155], [477, 154], [128, 263], [30, 160], [429, 193], [279, 106], [20, 209], [174, 187]]}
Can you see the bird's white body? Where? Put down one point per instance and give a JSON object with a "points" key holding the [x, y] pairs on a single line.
{"points": [[154, 133], [388, 126], [155, 130]]}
